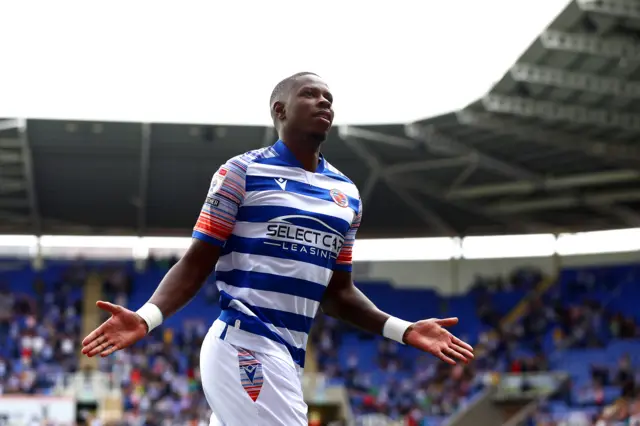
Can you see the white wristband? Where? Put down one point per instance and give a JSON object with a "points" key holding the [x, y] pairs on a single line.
{"points": [[394, 329], [151, 314]]}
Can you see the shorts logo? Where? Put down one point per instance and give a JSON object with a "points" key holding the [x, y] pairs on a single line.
{"points": [[339, 197], [251, 376]]}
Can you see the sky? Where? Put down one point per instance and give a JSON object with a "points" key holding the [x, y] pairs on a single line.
{"points": [[216, 62]]}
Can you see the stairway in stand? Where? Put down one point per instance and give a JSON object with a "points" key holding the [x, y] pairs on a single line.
{"points": [[110, 406]]}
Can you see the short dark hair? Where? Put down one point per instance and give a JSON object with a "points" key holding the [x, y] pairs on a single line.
{"points": [[283, 88]]}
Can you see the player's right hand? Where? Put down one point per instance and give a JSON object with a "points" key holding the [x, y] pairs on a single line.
{"points": [[122, 330]]}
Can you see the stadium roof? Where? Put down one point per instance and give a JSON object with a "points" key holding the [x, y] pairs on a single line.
{"points": [[552, 147]]}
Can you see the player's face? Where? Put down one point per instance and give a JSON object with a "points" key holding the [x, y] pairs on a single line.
{"points": [[310, 106]]}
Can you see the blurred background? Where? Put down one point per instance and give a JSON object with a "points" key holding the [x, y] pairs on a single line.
{"points": [[517, 210]]}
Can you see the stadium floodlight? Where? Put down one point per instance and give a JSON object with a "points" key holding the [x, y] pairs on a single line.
{"points": [[548, 76], [551, 184], [610, 47], [628, 9], [549, 110], [554, 138]]}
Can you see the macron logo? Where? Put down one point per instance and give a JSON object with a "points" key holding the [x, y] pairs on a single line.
{"points": [[282, 183]]}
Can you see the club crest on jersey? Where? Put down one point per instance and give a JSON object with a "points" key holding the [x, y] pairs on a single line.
{"points": [[339, 197]]}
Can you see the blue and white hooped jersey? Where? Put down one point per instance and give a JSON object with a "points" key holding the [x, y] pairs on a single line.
{"points": [[284, 231]]}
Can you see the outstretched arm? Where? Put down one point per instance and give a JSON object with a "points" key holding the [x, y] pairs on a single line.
{"points": [[344, 301], [178, 287], [213, 228], [185, 278]]}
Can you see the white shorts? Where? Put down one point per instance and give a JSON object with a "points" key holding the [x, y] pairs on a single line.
{"points": [[247, 388]]}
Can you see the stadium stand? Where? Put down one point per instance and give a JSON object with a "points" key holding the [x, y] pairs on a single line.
{"points": [[585, 325], [39, 327], [591, 331], [385, 377], [159, 378]]}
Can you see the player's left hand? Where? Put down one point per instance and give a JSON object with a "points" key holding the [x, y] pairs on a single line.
{"points": [[431, 336]]}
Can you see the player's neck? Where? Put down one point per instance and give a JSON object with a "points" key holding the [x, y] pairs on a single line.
{"points": [[306, 150]]}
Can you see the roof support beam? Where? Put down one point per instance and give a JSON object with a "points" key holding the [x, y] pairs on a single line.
{"points": [[555, 77], [27, 161], [373, 136], [560, 139], [370, 185], [515, 224], [549, 184], [401, 187], [548, 110], [428, 216], [13, 217], [143, 184], [431, 135], [565, 201], [626, 215], [610, 47], [617, 8], [465, 174], [426, 165], [443, 145]]}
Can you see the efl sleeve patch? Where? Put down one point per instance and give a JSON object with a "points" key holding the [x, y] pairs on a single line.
{"points": [[217, 181], [224, 197]]}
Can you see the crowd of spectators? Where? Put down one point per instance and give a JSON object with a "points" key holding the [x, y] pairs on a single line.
{"points": [[432, 388], [593, 406], [578, 320], [428, 388], [160, 378], [40, 331]]}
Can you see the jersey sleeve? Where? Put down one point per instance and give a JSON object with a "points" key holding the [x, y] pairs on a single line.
{"points": [[226, 194], [344, 262]]}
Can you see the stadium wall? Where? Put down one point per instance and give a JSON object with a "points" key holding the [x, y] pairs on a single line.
{"points": [[448, 265], [456, 276]]}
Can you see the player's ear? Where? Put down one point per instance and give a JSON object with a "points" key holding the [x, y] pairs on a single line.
{"points": [[279, 110]]}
